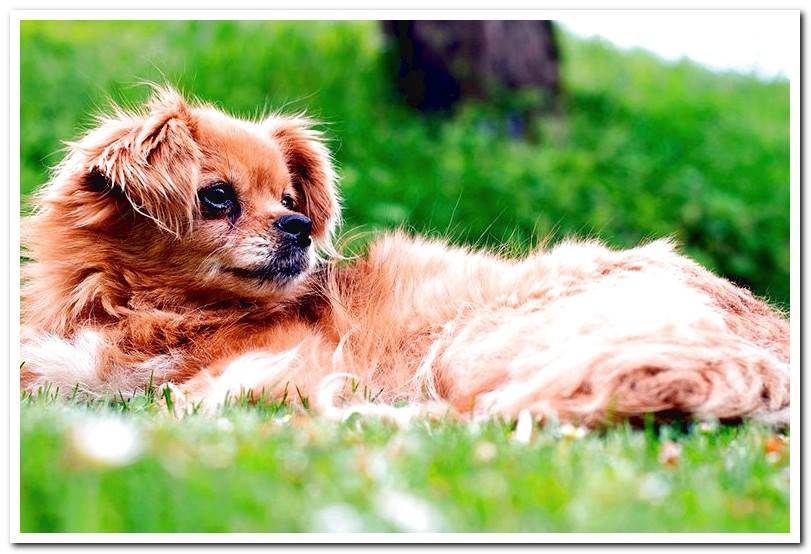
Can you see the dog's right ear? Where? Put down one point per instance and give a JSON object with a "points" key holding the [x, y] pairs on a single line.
{"points": [[150, 160], [310, 166]]}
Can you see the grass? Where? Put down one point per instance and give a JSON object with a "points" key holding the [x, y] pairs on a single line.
{"points": [[273, 467], [639, 149]]}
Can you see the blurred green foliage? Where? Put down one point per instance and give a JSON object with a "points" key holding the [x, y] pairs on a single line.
{"points": [[639, 149]]}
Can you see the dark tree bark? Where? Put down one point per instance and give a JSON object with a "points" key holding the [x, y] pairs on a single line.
{"points": [[443, 62]]}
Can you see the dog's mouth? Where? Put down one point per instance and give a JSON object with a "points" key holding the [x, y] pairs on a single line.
{"points": [[268, 273], [279, 270]]}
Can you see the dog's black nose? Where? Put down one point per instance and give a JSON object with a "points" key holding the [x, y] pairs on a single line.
{"points": [[297, 227]]}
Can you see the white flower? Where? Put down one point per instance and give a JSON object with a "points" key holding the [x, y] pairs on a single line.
{"points": [[107, 440], [224, 425], [378, 466], [653, 487], [407, 512], [281, 419], [337, 518], [523, 429], [669, 453], [708, 426], [485, 451], [569, 431]]}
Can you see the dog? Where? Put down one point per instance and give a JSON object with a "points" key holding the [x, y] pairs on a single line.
{"points": [[185, 246]]}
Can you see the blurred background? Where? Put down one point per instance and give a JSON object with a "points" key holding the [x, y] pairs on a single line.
{"points": [[487, 133]]}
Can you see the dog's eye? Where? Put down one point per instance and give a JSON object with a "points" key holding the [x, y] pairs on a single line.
{"points": [[218, 200], [288, 201]]}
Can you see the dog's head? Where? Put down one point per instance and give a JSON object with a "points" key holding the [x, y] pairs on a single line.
{"points": [[188, 194]]}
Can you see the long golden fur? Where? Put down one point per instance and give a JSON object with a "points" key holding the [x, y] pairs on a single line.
{"points": [[129, 278]]}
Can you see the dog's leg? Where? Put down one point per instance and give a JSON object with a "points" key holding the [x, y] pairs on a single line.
{"points": [[48, 360], [261, 372], [87, 363]]}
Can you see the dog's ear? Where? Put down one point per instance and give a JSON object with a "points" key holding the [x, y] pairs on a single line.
{"points": [[149, 159], [309, 163]]}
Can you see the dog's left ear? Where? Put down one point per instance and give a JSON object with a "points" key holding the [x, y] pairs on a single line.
{"points": [[309, 163], [150, 159]]}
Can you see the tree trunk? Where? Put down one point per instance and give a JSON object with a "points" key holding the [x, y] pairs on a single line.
{"points": [[441, 63]]}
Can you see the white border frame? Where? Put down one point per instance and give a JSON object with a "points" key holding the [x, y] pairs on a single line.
{"points": [[792, 16]]}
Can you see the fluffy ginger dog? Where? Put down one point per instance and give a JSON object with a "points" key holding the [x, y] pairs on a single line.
{"points": [[185, 245]]}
